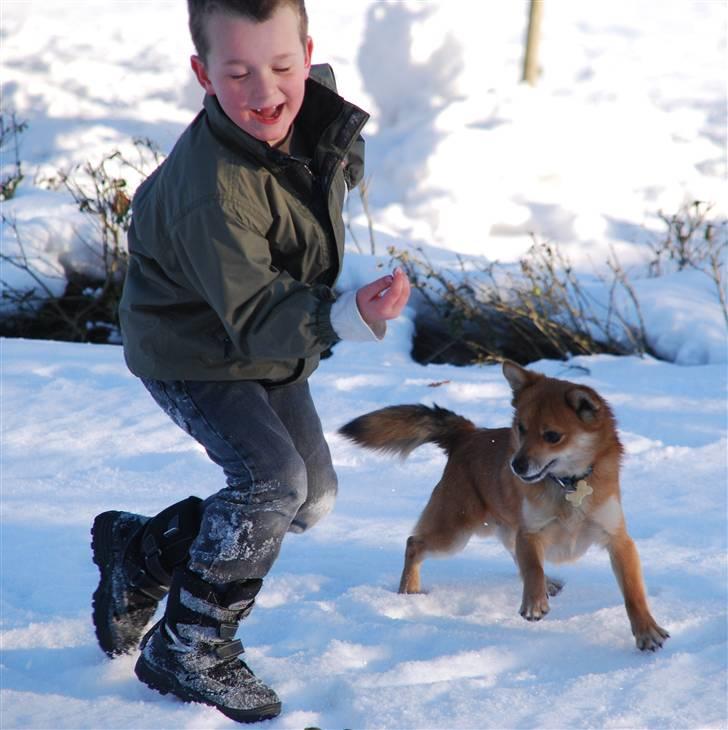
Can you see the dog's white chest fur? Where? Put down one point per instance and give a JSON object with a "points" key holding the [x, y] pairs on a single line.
{"points": [[568, 534]]}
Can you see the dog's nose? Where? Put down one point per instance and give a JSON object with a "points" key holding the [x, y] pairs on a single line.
{"points": [[519, 464]]}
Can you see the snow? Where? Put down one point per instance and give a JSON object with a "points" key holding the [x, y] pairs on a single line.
{"points": [[330, 632], [628, 119]]}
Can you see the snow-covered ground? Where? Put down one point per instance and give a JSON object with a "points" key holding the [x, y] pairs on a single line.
{"points": [[629, 118], [330, 631]]}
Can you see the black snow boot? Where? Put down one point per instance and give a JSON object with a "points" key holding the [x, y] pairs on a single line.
{"points": [[136, 555], [193, 654]]}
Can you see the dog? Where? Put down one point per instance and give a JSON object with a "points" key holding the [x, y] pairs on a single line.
{"points": [[548, 487]]}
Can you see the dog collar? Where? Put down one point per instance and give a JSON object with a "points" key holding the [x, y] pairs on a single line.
{"points": [[570, 484], [575, 488]]}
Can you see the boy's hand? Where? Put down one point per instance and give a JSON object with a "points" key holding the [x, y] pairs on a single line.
{"points": [[384, 298]]}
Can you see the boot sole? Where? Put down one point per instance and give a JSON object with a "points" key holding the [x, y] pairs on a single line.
{"points": [[164, 683]]}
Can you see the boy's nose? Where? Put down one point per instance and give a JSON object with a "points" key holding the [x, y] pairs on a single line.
{"points": [[263, 90]]}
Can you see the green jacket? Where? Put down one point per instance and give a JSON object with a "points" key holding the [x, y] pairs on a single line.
{"points": [[234, 247]]}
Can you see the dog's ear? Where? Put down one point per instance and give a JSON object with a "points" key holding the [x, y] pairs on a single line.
{"points": [[518, 377], [585, 402]]}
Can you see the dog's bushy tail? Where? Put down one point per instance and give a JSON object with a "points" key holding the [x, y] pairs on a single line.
{"points": [[401, 429]]}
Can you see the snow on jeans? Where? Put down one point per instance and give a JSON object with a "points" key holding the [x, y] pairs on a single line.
{"points": [[271, 447]]}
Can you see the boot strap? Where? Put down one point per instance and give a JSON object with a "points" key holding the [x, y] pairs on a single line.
{"points": [[152, 559], [227, 631], [166, 538], [230, 649], [147, 585]]}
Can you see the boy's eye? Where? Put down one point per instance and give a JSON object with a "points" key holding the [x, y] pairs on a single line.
{"points": [[282, 70], [239, 77], [552, 437]]}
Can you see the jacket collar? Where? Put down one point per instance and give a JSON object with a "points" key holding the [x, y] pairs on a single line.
{"points": [[329, 123], [230, 134]]}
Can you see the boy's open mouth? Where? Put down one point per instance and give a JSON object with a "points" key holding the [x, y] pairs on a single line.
{"points": [[267, 115]]}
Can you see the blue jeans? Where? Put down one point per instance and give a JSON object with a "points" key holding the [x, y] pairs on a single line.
{"points": [[277, 464]]}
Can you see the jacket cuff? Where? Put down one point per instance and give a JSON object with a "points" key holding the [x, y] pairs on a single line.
{"points": [[348, 323]]}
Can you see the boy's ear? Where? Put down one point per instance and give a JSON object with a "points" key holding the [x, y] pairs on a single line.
{"points": [[308, 53], [198, 66]]}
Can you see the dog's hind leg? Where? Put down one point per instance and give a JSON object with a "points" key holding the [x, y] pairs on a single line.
{"points": [[419, 546], [414, 554], [553, 586], [443, 539], [445, 526]]}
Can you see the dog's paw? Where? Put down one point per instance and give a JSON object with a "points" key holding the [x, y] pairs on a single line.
{"points": [[554, 586], [534, 609], [650, 636]]}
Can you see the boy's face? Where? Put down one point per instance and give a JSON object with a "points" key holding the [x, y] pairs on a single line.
{"points": [[258, 71]]}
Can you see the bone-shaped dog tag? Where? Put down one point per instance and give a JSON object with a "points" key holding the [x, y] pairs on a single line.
{"points": [[582, 490]]}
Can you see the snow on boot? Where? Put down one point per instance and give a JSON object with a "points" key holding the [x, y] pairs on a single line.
{"points": [[193, 654], [135, 555]]}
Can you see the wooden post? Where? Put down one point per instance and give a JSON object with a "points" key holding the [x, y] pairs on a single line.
{"points": [[530, 62]]}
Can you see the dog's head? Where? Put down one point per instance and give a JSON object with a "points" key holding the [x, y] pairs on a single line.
{"points": [[559, 428]]}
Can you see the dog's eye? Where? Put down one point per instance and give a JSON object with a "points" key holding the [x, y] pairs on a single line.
{"points": [[551, 437], [521, 428]]}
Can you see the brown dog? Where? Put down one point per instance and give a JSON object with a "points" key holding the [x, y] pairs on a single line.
{"points": [[548, 487]]}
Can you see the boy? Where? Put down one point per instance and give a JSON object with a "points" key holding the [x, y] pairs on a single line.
{"points": [[235, 245]]}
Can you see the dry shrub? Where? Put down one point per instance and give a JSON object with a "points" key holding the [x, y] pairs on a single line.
{"points": [[541, 309]]}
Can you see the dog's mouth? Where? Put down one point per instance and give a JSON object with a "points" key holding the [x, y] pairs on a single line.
{"points": [[531, 478]]}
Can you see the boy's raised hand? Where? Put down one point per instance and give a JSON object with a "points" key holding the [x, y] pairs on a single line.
{"points": [[384, 298]]}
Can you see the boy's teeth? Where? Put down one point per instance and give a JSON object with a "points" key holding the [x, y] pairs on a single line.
{"points": [[268, 112]]}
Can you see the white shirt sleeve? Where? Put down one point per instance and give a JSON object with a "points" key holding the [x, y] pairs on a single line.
{"points": [[348, 323]]}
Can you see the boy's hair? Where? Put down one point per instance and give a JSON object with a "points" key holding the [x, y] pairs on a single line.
{"points": [[256, 10]]}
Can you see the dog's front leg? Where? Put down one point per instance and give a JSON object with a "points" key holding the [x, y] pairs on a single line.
{"points": [[628, 571], [529, 555]]}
